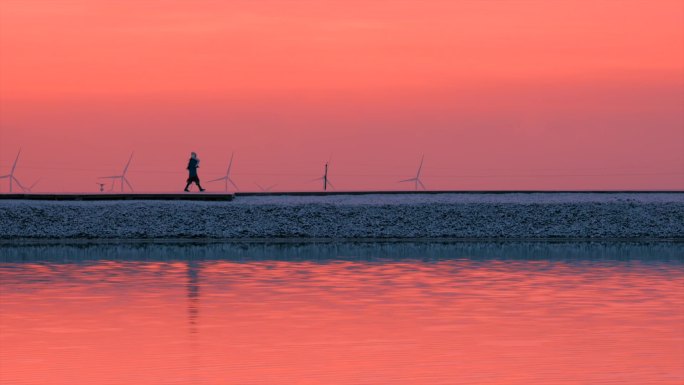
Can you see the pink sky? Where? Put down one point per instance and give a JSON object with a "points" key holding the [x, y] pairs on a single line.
{"points": [[496, 94]]}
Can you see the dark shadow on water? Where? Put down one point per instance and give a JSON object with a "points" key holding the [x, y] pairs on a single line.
{"points": [[193, 293]]}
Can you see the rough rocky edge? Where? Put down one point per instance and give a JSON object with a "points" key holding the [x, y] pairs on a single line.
{"points": [[514, 215]]}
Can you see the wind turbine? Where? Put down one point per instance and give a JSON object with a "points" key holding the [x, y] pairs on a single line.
{"points": [[265, 189], [11, 176], [30, 188], [416, 180], [122, 177], [324, 178], [226, 178]]}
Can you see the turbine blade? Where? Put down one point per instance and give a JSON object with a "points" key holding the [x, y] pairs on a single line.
{"points": [[270, 187], [407, 180], [21, 186], [330, 184], [109, 177], [234, 185], [127, 164], [420, 167], [128, 184], [315, 180], [258, 185], [14, 165], [230, 164], [34, 184], [216, 180], [421, 184]]}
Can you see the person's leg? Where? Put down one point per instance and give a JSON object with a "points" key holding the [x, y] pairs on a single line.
{"points": [[197, 182], [189, 182]]}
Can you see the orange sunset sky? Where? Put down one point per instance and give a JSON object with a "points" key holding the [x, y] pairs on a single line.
{"points": [[535, 94]]}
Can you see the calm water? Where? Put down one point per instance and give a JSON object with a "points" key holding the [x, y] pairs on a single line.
{"points": [[343, 314]]}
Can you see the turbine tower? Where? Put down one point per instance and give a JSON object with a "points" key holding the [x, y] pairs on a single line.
{"points": [[226, 178], [11, 176], [416, 180], [122, 177], [324, 178]]}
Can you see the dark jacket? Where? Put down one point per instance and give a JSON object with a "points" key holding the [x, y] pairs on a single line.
{"points": [[192, 167]]}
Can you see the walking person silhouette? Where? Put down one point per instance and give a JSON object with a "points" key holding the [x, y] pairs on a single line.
{"points": [[193, 164]]}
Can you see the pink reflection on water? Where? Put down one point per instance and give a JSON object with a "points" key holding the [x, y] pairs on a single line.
{"points": [[342, 322]]}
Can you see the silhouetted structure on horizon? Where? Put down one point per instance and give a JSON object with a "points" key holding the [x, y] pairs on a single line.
{"points": [[226, 178], [122, 178], [417, 178]]}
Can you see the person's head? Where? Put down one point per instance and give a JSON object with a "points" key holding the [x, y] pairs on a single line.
{"points": [[193, 155]]}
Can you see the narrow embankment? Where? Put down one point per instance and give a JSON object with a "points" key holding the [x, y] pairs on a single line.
{"points": [[501, 216]]}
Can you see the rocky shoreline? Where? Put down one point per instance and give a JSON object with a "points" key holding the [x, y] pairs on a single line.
{"points": [[439, 216]]}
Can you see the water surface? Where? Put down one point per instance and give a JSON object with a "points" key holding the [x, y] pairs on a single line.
{"points": [[342, 314]]}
